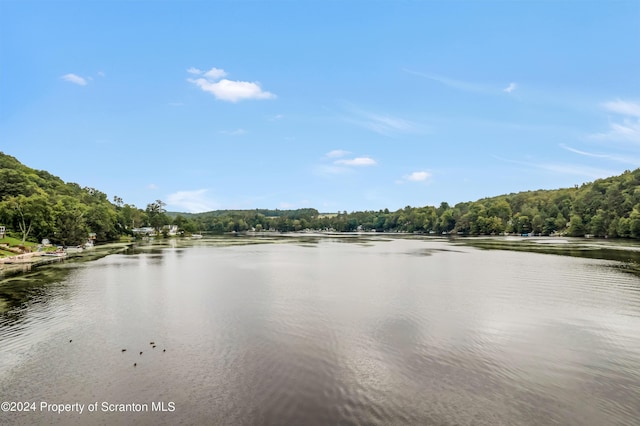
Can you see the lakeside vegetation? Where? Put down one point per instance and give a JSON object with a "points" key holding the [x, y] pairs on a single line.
{"points": [[35, 205]]}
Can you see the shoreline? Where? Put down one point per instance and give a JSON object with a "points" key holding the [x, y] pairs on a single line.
{"points": [[26, 262]]}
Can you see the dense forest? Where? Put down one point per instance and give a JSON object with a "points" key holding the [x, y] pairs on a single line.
{"points": [[35, 204]]}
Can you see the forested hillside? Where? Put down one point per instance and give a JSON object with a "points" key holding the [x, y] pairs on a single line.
{"points": [[607, 207], [35, 204]]}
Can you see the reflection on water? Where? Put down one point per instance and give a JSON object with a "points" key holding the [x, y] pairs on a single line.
{"points": [[327, 331]]}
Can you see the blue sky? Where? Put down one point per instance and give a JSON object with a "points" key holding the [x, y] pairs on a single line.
{"points": [[349, 105]]}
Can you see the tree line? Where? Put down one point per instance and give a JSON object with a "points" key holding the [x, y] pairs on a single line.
{"points": [[604, 208], [35, 204]]}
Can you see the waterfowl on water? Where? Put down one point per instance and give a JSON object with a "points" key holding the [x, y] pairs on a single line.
{"points": [[70, 341], [134, 364], [124, 350], [164, 350], [140, 352], [154, 346], [152, 343]]}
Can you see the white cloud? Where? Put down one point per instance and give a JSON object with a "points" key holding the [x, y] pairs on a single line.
{"points": [[330, 170], [336, 153], [567, 169], [453, 83], [578, 170], [418, 176], [276, 117], [215, 73], [236, 132], [232, 91], [192, 201], [341, 166], [358, 161], [619, 158], [464, 86], [73, 78], [626, 130], [623, 107], [382, 124], [510, 88], [227, 90], [152, 186]]}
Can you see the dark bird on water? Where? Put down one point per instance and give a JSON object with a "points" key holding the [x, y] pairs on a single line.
{"points": [[140, 352], [164, 350], [134, 364], [152, 343], [124, 350], [154, 346], [70, 341]]}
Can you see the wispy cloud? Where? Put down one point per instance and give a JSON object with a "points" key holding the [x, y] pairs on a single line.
{"points": [[340, 165], [626, 130], [330, 170], [576, 169], [357, 162], [564, 168], [194, 201], [336, 153], [623, 107], [381, 123], [236, 132], [76, 79], [453, 83], [227, 90], [465, 86], [152, 186], [215, 73], [510, 88], [619, 158], [419, 176]]}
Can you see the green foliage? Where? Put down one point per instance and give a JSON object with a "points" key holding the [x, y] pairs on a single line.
{"points": [[156, 215], [35, 204]]}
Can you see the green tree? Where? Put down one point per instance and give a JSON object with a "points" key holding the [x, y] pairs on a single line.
{"points": [[576, 226], [560, 222], [70, 222], [29, 214], [101, 219], [598, 225], [634, 222], [537, 224], [156, 215]]}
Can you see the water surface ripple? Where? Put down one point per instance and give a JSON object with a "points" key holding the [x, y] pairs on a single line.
{"points": [[376, 332]]}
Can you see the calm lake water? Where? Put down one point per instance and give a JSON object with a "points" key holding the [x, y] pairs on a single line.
{"points": [[372, 331]]}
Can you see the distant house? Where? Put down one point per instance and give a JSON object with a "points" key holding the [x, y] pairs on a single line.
{"points": [[3, 232], [171, 229], [145, 230]]}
